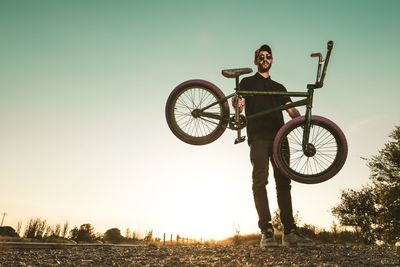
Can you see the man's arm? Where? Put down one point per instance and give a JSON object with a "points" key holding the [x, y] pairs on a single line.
{"points": [[241, 103], [293, 112]]}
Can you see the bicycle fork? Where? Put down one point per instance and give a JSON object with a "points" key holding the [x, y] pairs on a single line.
{"points": [[308, 148]]}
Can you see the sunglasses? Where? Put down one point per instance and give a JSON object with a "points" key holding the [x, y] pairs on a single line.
{"points": [[262, 57]]}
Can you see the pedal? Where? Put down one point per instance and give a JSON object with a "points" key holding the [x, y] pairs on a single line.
{"points": [[239, 140]]}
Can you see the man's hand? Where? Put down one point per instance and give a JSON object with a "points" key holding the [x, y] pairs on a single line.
{"points": [[293, 112], [241, 103]]}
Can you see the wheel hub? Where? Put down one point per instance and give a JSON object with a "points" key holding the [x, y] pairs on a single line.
{"points": [[196, 113], [311, 151]]}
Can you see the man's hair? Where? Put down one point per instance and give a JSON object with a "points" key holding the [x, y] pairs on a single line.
{"points": [[264, 47]]}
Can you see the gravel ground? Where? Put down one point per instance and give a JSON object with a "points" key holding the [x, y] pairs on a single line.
{"points": [[201, 255]]}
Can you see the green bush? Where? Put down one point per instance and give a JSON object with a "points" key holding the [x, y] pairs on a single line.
{"points": [[113, 235]]}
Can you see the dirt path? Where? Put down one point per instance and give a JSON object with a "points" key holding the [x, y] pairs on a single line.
{"points": [[201, 255]]}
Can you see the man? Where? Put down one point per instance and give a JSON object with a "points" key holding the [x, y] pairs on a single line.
{"points": [[261, 132]]}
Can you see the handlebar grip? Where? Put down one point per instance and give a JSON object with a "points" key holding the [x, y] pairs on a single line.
{"points": [[330, 45], [316, 55]]}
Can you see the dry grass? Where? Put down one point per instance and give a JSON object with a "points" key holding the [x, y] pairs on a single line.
{"points": [[250, 239]]}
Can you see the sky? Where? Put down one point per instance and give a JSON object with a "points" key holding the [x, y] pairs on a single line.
{"points": [[83, 87]]}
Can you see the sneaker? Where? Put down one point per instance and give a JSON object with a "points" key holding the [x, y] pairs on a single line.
{"points": [[293, 238], [268, 239]]}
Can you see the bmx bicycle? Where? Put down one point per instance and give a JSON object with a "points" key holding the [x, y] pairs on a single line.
{"points": [[308, 149]]}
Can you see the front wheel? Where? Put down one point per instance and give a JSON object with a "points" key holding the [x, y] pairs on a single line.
{"points": [[328, 144], [186, 117]]}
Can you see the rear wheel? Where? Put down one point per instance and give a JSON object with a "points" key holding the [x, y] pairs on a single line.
{"points": [[325, 158], [184, 115]]}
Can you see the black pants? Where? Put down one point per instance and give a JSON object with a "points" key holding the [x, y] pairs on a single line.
{"points": [[260, 155]]}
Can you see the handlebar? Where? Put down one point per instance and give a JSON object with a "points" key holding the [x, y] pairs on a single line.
{"points": [[320, 78], [316, 55], [330, 45]]}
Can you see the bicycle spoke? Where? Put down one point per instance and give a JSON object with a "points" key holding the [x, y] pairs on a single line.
{"points": [[194, 99], [324, 143], [326, 155]]}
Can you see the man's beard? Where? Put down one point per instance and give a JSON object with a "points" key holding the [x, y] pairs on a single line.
{"points": [[262, 69]]}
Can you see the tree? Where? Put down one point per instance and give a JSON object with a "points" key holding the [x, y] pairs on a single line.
{"points": [[357, 209], [128, 233], [113, 235], [84, 233], [65, 230], [385, 175], [56, 231], [19, 226], [375, 209], [149, 236], [35, 228]]}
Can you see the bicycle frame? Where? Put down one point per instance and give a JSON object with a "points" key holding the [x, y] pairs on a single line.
{"points": [[307, 101], [304, 102]]}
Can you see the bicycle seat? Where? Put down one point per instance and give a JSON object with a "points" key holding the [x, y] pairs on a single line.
{"points": [[233, 73]]}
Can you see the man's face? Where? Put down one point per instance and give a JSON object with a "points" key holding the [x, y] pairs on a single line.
{"points": [[264, 61]]}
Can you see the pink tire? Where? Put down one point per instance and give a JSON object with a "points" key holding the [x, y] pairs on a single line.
{"points": [[329, 145], [181, 107]]}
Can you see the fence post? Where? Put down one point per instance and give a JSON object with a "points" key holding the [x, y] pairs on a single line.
{"points": [[164, 240]]}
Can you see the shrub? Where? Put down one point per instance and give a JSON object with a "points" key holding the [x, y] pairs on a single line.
{"points": [[35, 228], [85, 233], [113, 235], [8, 231]]}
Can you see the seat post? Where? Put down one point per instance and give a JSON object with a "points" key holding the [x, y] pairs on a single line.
{"points": [[237, 83]]}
